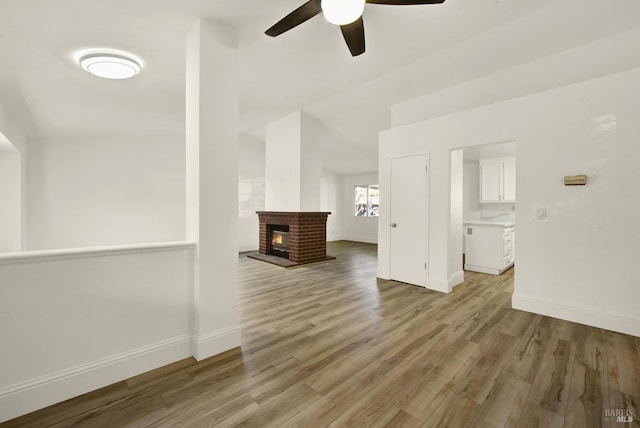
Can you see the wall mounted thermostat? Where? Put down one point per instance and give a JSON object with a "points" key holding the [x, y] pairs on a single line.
{"points": [[575, 180]]}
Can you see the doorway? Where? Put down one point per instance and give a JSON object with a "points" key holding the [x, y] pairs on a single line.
{"points": [[488, 198]]}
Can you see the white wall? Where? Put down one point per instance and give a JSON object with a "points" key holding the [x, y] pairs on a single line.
{"points": [[310, 163], [251, 195], [456, 182], [212, 134], [578, 263], [101, 191], [331, 201], [10, 195], [471, 193], [282, 157], [74, 322], [293, 170], [12, 139], [360, 229], [580, 63]]}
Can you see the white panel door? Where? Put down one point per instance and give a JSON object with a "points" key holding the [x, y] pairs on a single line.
{"points": [[409, 185]]}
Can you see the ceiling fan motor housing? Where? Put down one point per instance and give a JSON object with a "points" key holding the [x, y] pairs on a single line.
{"points": [[345, 13]]}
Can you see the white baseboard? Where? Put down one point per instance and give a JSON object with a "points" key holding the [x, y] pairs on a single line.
{"points": [[456, 278], [582, 315], [382, 273], [216, 342], [488, 270], [365, 239], [438, 284], [26, 397]]}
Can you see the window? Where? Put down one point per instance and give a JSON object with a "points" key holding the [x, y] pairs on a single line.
{"points": [[366, 200], [250, 196]]}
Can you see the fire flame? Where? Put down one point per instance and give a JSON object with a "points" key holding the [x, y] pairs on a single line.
{"points": [[277, 239]]}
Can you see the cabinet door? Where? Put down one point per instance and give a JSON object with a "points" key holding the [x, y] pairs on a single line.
{"points": [[490, 181], [509, 180]]}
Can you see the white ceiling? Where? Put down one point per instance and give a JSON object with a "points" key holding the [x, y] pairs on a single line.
{"points": [[411, 50]]}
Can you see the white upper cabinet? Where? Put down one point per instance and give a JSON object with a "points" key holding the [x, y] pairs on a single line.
{"points": [[509, 180], [498, 180], [490, 181]]}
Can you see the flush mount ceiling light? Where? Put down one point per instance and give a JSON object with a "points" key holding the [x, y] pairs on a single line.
{"points": [[110, 65]]}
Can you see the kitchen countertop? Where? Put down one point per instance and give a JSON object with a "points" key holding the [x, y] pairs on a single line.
{"points": [[498, 223]]}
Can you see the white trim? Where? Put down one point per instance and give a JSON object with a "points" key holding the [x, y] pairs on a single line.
{"points": [[216, 342], [25, 397], [380, 275], [76, 253], [365, 239], [584, 315], [438, 284], [482, 269], [456, 278], [488, 270]]}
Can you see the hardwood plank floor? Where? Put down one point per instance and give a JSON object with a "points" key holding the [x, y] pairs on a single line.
{"points": [[328, 344]]}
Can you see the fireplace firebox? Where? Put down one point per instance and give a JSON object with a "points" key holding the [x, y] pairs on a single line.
{"points": [[279, 240]]}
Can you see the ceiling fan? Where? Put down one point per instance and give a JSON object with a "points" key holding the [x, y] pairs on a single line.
{"points": [[345, 13]]}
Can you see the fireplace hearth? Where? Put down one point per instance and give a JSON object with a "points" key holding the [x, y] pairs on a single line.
{"points": [[292, 238]]}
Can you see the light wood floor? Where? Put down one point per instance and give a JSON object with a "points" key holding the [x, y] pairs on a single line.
{"points": [[328, 344]]}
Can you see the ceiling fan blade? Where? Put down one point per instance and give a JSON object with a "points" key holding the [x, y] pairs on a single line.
{"points": [[405, 2], [354, 36], [295, 18]]}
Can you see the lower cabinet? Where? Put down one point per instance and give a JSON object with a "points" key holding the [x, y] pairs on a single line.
{"points": [[489, 248]]}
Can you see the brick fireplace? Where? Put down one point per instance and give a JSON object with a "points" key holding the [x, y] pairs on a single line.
{"points": [[292, 238]]}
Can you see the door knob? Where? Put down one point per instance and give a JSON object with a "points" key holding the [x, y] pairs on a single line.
{"points": [[394, 225]]}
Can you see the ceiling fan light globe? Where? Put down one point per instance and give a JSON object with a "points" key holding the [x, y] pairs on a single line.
{"points": [[342, 12]]}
